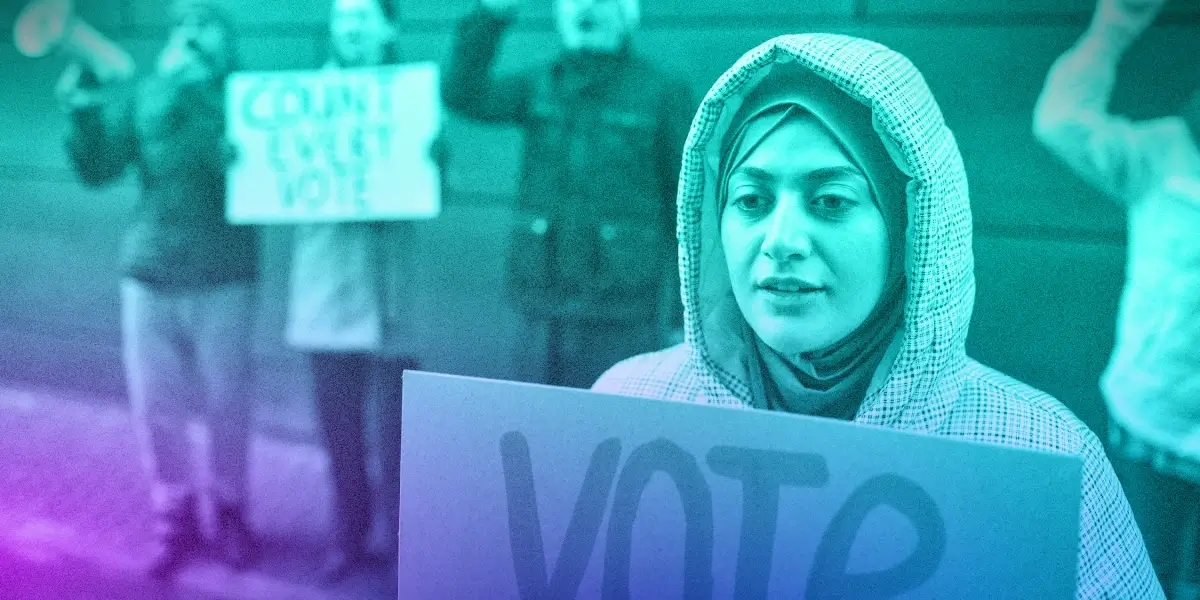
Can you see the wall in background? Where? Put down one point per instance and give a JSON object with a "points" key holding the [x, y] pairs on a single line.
{"points": [[1049, 251]]}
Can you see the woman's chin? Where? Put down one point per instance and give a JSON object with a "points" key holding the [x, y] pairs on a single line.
{"points": [[789, 337]]}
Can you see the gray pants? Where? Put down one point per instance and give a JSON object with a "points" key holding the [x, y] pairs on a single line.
{"points": [[179, 345]]}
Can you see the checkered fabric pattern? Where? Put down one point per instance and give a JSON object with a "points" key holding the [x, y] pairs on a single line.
{"points": [[932, 387]]}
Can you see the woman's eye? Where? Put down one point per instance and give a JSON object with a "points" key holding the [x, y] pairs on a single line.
{"points": [[833, 204], [749, 201]]}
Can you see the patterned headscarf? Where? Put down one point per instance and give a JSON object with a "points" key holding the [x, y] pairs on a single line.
{"points": [[831, 381]]}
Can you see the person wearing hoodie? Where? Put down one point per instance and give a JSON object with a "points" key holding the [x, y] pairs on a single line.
{"points": [[1151, 169], [189, 279], [592, 242], [827, 268], [349, 311]]}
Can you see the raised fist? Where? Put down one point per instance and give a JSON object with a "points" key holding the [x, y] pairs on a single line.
{"points": [[78, 89], [1120, 22]]}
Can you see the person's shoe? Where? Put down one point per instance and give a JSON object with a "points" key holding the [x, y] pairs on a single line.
{"points": [[235, 542], [340, 564], [178, 539]]}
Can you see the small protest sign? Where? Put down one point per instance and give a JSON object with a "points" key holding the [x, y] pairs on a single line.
{"points": [[522, 491], [333, 145]]}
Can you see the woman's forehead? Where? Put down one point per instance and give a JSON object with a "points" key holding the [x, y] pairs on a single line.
{"points": [[801, 142]]}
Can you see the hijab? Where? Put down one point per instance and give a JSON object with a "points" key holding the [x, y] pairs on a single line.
{"points": [[830, 382]]}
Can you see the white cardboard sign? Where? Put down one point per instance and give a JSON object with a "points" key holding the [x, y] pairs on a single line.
{"points": [[333, 145]]}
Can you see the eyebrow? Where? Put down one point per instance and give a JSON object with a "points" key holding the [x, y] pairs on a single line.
{"points": [[822, 174]]}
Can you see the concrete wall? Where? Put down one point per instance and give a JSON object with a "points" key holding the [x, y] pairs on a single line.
{"points": [[1049, 251]]}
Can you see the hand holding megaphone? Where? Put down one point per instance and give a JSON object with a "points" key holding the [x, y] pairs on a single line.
{"points": [[47, 27], [1120, 22], [51, 27], [78, 89]]}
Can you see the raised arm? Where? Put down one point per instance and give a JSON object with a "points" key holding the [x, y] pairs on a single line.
{"points": [[468, 85], [1114, 154], [99, 142]]}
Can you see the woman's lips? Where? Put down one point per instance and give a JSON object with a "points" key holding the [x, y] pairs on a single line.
{"points": [[790, 299], [788, 284]]}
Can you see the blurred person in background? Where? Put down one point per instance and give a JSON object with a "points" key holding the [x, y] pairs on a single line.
{"points": [[190, 279], [591, 257], [1151, 169], [349, 310]]}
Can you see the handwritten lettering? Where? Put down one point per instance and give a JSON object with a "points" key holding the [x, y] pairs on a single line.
{"points": [[525, 529], [323, 136], [828, 578], [273, 103], [661, 456], [762, 474]]}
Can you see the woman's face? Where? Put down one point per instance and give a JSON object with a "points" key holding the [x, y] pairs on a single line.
{"points": [[806, 247], [360, 32]]}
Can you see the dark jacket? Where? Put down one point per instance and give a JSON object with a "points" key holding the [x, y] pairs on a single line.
{"points": [[594, 234], [174, 137]]}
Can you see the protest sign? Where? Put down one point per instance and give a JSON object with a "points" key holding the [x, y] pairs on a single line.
{"points": [[522, 491], [333, 145]]}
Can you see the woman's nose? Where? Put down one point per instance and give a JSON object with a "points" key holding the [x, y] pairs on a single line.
{"points": [[788, 230]]}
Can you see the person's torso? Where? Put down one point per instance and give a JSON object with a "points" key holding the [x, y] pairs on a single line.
{"points": [[180, 133], [591, 198], [1155, 368], [592, 145], [180, 236], [351, 286]]}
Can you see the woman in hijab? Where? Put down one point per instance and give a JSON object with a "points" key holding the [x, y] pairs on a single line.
{"points": [[825, 255]]}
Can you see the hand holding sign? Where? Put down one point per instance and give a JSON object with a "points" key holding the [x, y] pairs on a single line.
{"points": [[439, 151], [229, 153]]}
